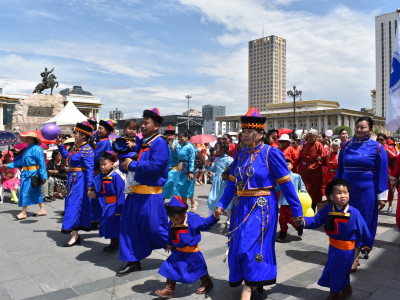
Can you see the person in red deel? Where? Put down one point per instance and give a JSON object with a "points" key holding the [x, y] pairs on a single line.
{"points": [[288, 151], [332, 160], [310, 167]]}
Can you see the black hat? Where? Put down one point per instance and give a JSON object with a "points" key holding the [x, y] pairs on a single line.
{"points": [[120, 146], [153, 113], [107, 124], [253, 120], [109, 155], [84, 127], [170, 130], [92, 121]]}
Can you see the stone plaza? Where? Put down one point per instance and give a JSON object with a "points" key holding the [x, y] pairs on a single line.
{"points": [[34, 265]]}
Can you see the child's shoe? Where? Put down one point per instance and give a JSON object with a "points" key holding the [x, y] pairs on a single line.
{"points": [[282, 236], [300, 231], [206, 285], [168, 291]]}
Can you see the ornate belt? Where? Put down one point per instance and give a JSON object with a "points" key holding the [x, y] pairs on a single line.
{"points": [[189, 249], [145, 189], [76, 169], [254, 193], [342, 245], [30, 168]]}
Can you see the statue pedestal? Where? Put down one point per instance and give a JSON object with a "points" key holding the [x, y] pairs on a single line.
{"points": [[34, 110]]}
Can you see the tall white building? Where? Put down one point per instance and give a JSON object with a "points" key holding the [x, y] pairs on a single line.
{"points": [[385, 35], [267, 72]]}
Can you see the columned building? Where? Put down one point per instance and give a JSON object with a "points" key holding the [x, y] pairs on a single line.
{"points": [[87, 104], [318, 114], [385, 36], [7, 105]]}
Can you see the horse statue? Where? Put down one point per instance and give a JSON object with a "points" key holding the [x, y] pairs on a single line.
{"points": [[48, 83]]}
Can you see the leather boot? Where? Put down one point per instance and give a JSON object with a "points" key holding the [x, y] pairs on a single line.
{"points": [[333, 296], [206, 285], [129, 267], [114, 246], [168, 291]]}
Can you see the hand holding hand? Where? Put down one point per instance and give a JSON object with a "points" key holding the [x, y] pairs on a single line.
{"points": [[297, 221], [126, 163], [381, 204], [91, 194], [218, 212]]}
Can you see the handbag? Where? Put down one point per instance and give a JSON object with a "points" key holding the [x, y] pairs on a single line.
{"points": [[36, 181]]}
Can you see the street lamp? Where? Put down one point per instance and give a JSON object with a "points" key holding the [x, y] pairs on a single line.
{"points": [[295, 93], [188, 98]]}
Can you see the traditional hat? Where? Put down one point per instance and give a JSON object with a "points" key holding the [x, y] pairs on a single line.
{"points": [[107, 124], [170, 130], [70, 140], [92, 121], [177, 201], [109, 155], [32, 135], [153, 113], [284, 138], [253, 120], [120, 146], [336, 142], [84, 127]]}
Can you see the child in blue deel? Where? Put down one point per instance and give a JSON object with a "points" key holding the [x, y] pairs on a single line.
{"points": [[186, 264], [110, 192], [343, 224]]}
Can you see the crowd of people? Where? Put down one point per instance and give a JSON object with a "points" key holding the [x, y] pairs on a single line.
{"points": [[136, 190]]}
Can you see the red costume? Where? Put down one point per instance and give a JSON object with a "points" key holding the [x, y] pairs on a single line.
{"points": [[392, 155], [310, 169], [331, 165], [292, 154]]}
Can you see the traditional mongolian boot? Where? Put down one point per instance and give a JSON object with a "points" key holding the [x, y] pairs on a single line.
{"points": [[114, 245], [206, 285], [168, 291], [346, 292]]}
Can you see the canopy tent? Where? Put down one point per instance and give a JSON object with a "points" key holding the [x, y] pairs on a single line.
{"points": [[70, 115]]}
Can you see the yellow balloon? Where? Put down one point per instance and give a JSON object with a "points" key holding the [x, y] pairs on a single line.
{"points": [[306, 203]]}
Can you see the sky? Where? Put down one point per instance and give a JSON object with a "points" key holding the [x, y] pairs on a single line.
{"points": [[136, 55]]}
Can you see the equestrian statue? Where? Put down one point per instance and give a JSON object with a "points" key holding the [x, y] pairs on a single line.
{"points": [[48, 82]]}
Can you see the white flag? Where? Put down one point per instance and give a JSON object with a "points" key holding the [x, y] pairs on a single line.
{"points": [[393, 107]]}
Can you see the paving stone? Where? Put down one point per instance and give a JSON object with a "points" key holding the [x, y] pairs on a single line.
{"points": [[10, 273], [97, 285], [4, 293], [385, 293], [59, 295], [21, 288]]}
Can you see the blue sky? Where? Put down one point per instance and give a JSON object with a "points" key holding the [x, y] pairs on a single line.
{"points": [[136, 55]]}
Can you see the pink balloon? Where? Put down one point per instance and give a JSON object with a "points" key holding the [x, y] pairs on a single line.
{"points": [[50, 131]]}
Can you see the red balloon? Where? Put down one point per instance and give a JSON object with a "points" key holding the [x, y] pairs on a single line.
{"points": [[50, 131]]}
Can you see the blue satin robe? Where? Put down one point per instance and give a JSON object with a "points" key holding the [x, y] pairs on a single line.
{"points": [[336, 274], [169, 186], [144, 221], [364, 165], [110, 186], [218, 185], [269, 169], [77, 214], [183, 186], [186, 267], [33, 156]]}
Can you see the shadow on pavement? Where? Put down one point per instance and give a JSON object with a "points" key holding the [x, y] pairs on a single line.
{"points": [[308, 256]]}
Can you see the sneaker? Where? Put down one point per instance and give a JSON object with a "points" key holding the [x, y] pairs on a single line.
{"points": [[390, 209], [300, 231], [282, 236]]}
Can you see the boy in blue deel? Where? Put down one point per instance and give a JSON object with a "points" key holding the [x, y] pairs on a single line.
{"points": [[109, 188], [186, 263], [343, 224]]}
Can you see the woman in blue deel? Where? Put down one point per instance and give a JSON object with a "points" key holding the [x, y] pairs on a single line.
{"points": [[32, 164], [254, 173]]}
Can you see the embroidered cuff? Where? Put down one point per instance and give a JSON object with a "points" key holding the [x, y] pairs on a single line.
{"points": [[232, 178], [283, 179]]}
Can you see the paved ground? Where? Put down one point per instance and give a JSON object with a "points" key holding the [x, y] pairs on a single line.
{"points": [[34, 265]]}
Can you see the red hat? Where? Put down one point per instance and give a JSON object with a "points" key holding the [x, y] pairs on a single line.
{"points": [[153, 113], [253, 120]]}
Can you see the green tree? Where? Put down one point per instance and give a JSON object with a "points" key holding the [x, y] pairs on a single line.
{"points": [[337, 130]]}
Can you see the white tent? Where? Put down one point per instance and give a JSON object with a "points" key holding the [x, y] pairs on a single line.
{"points": [[70, 115]]}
